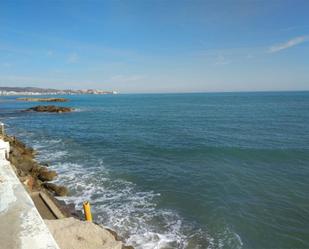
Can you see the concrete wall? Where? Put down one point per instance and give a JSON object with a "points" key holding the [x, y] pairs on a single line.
{"points": [[21, 226]]}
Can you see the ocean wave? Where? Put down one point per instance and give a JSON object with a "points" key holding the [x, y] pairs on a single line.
{"points": [[80, 109], [56, 155], [119, 205]]}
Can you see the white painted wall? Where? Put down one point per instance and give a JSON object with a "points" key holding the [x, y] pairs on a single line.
{"points": [[21, 226]]}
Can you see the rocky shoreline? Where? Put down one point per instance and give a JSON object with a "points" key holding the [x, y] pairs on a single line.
{"points": [[36, 177]]}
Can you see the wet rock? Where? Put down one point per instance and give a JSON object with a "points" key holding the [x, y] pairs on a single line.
{"points": [[46, 175], [58, 190], [25, 166], [127, 247], [50, 108], [45, 164]]}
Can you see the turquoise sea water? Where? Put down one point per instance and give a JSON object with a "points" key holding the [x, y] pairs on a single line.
{"points": [[224, 170]]}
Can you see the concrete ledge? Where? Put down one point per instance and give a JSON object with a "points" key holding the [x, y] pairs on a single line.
{"points": [[42, 201], [21, 226]]}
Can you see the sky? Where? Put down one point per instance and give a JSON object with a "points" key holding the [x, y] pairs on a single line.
{"points": [[151, 46]]}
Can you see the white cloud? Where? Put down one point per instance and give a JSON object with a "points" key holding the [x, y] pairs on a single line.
{"points": [[221, 60], [73, 58], [50, 53], [290, 43]]}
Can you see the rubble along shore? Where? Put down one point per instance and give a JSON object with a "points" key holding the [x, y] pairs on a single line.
{"points": [[35, 178]]}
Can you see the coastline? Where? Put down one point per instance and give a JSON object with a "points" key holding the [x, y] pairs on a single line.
{"points": [[30, 172]]}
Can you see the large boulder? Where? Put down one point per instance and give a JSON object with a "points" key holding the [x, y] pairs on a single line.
{"points": [[23, 162], [45, 174], [72, 233], [57, 190], [50, 108]]}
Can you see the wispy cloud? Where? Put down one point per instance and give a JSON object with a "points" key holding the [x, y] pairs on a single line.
{"points": [[222, 60], [73, 58], [126, 78], [288, 44], [50, 53]]}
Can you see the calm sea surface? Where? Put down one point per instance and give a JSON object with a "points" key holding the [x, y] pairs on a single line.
{"points": [[227, 170]]}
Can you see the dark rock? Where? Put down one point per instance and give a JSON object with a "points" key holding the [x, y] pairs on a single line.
{"points": [[25, 166], [46, 175], [45, 164], [58, 190], [112, 232], [127, 247], [50, 108], [118, 238]]}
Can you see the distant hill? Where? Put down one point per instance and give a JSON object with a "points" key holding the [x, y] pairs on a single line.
{"points": [[28, 89], [37, 90]]}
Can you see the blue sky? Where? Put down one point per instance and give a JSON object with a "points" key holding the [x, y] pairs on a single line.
{"points": [[155, 46]]}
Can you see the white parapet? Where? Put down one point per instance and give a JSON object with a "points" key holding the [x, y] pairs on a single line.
{"points": [[4, 150], [21, 226]]}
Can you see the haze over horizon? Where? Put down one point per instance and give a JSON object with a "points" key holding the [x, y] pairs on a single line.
{"points": [[155, 46]]}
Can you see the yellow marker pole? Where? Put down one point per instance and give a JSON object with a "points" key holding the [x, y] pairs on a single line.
{"points": [[87, 211]]}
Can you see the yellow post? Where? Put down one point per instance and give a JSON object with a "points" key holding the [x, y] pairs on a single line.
{"points": [[87, 211]]}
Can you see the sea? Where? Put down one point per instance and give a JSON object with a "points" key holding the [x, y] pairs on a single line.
{"points": [[185, 171]]}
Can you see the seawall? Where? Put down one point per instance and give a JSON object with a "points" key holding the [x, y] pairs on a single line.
{"points": [[21, 226]]}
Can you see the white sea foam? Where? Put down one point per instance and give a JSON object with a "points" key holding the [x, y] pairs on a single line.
{"points": [[46, 157], [79, 109], [120, 205]]}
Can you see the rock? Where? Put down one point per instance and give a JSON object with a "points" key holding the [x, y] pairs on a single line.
{"points": [[127, 247], [22, 162], [50, 108], [29, 182], [25, 166], [117, 237], [46, 175], [58, 190], [71, 210], [45, 164], [72, 233], [44, 99], [21, 173]]}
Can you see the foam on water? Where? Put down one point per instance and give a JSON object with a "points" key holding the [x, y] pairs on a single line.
{"points": [[120, 205], [80, 109], [230, 162], [134, 214], [54, 156]]}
